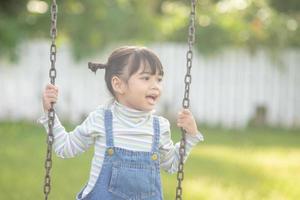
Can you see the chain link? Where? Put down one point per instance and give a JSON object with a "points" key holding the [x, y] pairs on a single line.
{"points": [[51, 112], [186, 100]]}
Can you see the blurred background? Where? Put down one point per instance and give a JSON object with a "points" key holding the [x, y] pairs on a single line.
{"points": [[245, 91]]}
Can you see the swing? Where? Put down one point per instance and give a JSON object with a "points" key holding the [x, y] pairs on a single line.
{"points": [[185, 102]]}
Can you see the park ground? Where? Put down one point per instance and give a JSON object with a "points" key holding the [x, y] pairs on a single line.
{"points": [[250, 164]]}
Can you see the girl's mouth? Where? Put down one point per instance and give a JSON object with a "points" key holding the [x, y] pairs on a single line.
{"points": [[151, 99]]}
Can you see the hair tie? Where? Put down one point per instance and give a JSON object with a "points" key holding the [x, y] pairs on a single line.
{"points": [[95, 66]]}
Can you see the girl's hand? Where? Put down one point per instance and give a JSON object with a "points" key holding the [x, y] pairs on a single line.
{"points": [[49, 96], [186, 121]]}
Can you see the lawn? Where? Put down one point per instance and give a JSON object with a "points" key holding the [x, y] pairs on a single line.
{"points": [[252, 164]]}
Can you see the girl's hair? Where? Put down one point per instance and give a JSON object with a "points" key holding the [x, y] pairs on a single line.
{"points": [[125, 61]]}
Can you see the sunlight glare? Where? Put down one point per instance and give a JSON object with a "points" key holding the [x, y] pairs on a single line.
{"points": [[37, 6]]}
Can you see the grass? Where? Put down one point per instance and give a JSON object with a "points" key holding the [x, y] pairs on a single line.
{"points": [[252, 164]]}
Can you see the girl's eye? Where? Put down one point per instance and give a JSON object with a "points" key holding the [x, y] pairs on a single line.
{"points": [[145, 78], [159, 79]]}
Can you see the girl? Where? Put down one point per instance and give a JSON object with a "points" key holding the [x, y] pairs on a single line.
{"points": [[131, 143]]}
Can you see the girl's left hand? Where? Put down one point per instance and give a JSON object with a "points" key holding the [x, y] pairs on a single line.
{"points": [[186, 121]]}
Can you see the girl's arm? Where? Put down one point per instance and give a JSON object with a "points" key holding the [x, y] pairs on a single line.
{"points": [[170, 152], [69, 144]]}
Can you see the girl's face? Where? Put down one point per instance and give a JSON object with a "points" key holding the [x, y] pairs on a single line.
{"points": [[142, 90]]}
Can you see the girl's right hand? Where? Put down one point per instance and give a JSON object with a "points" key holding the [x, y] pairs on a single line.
{"points": [[49, 96]]}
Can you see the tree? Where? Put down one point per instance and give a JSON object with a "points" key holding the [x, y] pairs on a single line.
{"points": [[90, 25]]}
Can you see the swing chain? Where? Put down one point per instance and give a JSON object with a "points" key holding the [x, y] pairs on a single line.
{"points": [[51, 113], [186, 100]]}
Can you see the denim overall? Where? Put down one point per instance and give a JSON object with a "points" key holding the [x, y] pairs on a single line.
{"points": [[126, 174]]}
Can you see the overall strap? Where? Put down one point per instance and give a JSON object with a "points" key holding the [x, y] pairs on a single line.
{"points": [[108, 118], [156, 129]]}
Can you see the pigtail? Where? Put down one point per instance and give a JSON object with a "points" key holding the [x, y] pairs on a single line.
{"points": [[95, 66]]}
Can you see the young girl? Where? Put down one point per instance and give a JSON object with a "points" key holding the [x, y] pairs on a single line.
{"points": [[131, 143]]}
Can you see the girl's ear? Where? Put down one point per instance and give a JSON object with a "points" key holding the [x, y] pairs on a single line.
{"points": [[118, 85]]}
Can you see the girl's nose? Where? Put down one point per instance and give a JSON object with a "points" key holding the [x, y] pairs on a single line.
{"points": [[156, 85]]}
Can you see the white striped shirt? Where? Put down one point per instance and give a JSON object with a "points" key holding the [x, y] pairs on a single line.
{"points": [[132, 129]]}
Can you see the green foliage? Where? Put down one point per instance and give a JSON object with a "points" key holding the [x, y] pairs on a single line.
{"points": [[287, 6], [88, 26], [251, 164]]}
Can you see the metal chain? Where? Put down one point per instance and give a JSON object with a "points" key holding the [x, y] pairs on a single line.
{"points": [[186, 100], [51, 112]]}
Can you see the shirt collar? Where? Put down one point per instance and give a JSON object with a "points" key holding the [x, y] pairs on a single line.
{"points": [[130, 116]]}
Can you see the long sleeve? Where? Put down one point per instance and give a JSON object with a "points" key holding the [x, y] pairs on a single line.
{"points": [[170, 152], [69, 144]]}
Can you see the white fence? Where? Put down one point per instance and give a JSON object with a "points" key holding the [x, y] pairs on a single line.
{"points": [[226, 88]]}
